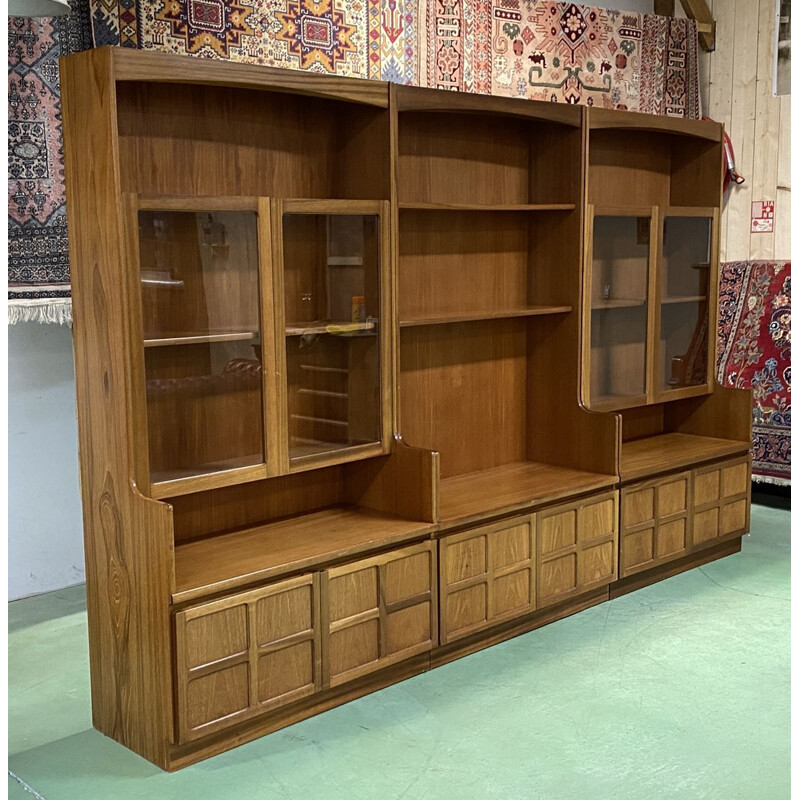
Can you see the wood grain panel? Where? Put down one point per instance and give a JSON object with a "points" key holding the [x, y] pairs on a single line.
{"points": [[513, 487], [229, 508], [468, 377], [628, 168], [486, 576], [379, 611], [246, 654], [447, 158], [451, 262], [208, 566], [655, 522], [404, 484], [577, 547], [670, 451], [127, 537], [721, 502], [154, 66], [282, 145]]}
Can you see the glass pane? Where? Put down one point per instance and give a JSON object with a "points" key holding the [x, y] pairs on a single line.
{"points": [[620, 265], [332, 301], [684, 302], [202, 340]]}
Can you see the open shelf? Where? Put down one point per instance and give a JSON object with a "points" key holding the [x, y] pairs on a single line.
{"points": [[475, 316], [489, 207], [604, 305], [512, 487], [445, 159], [667, 451], [169, 339], [243, 557]]}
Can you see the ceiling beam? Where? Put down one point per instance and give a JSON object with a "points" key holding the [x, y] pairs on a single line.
{"points": [[706, 27], [697, 10]]}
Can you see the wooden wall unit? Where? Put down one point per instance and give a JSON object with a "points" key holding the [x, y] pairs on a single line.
{"points": [[334, 361]]}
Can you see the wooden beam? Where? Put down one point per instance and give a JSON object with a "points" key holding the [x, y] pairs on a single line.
{"points": [[706, 28], [666, 8]]}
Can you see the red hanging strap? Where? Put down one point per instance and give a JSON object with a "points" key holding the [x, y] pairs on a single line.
{"points": [[729, 167]]}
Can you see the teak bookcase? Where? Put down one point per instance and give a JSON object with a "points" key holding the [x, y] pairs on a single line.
{"points": [[371, 377]]}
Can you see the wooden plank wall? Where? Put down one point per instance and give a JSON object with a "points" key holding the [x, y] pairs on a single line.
{"points": [[736, 89]]}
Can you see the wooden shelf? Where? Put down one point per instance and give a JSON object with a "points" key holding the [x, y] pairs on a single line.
{"points": [[668, 301], [330, 328], [169, 339], [512, 487], [313, 447], [667, 451], [610, 402], [607, 304], [530, 311], [481, 207], [163, 480], [241, 558]]}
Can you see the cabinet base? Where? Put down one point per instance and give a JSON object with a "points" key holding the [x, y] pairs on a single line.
{"points": [[516, 627], [187, 754], [659, 573]]}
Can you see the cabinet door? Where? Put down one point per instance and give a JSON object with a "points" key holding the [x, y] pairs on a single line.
{"points": [[203, 380], [618, 299], [246, 654], [721, 505], [577, 547], [379, 611], [333, 317], [687, 301], [654, 522], [486, 576]]}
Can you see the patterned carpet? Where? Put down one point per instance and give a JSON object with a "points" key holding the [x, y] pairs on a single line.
{"points": [[754, 352], [561, 52], [539, 49], [38, 258]]}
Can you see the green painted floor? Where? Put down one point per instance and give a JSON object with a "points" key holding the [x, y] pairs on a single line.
{"points": [[680, 690]]}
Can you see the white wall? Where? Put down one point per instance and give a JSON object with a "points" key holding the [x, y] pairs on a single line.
{"points": [[736, 86], [45, 537]]}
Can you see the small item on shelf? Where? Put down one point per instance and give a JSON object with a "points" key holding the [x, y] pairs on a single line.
{"points": [[358, 308], [607, 291], [678, 371], [213, 232], [344, 328]]}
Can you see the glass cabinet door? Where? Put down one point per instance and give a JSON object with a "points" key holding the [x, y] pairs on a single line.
{"points": [[199, 281], [620, 275], [684, 300], [332, 313]]}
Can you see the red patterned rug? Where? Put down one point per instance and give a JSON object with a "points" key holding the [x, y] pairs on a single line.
{"points": [[561, 52], [754, 352]]}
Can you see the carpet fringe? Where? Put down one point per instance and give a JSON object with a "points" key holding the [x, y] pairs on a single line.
{"points": [[773, 481], [46, 312]]}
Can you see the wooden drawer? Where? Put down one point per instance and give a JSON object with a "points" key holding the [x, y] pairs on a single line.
{"points": [[655, 523], [576, 547], [721, 501], [246, 654], [486, 576], [378, 611]]}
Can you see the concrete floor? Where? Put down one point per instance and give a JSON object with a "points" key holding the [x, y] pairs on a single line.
{"points": [[680, 690]]}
